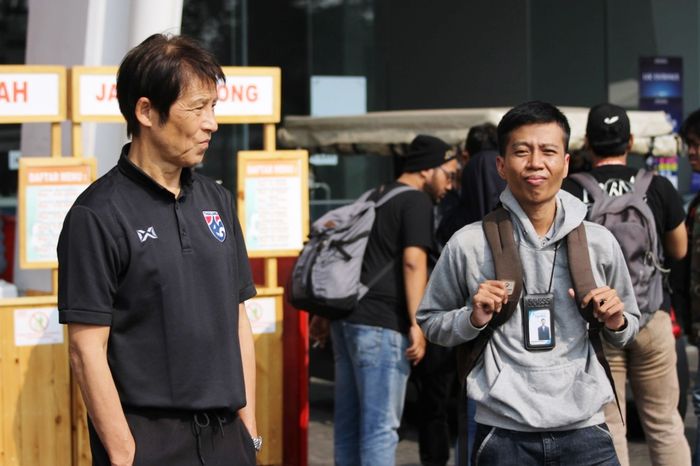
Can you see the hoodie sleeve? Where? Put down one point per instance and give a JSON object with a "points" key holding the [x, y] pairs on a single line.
{"points": [[617, 276], [444, 312]]}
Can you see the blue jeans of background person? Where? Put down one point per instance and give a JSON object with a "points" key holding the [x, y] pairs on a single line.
{"points": [[371, 372], [580, 447]]}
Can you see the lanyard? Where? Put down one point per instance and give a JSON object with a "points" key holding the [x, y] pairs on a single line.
{"points": [[551, 276]]}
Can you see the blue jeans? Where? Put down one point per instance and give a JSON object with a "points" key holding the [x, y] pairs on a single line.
{"points": [[580, 447], [371, 372]]}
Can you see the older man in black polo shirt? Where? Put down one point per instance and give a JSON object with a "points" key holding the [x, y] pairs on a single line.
{"points": [[153, 273]]}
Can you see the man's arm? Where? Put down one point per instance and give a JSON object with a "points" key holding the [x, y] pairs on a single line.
{"points": [[88, 357], [415, 277], [675, 242], [247, 344]]}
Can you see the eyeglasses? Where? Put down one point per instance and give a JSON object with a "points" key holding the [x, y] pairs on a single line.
{"points": [[452, 176]]}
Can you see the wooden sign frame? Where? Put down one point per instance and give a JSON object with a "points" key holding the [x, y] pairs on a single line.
{"points": [[60, 115], [26, 165], [284, 165]]}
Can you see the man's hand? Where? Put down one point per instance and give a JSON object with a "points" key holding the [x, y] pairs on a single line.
{"points": [[416, 350], [608, 308], [490, 298], [319, 329]]}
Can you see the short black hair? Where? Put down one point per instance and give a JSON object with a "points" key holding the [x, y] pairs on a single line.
{"points": [[481, 137], [691, 126], [531, 113], [158, 69]]}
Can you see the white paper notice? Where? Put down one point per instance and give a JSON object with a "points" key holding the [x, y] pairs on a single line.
{"points": [[37, 326], [262, 314], [273, 213]]}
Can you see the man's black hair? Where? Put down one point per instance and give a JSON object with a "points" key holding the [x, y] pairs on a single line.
{"points": [[531, 113], [691, 126], [160, 68], [481, 137]]}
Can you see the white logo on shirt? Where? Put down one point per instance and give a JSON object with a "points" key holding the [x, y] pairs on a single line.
{"points": [[149, 232]]}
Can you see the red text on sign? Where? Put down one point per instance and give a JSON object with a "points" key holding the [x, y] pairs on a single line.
{"points": [[233, 93], [108, 91], [13, 91]]}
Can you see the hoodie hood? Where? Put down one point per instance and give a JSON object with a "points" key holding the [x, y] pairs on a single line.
{"points": [[570, 213]]}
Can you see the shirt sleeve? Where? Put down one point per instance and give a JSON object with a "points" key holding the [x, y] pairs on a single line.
{"points": [[671, 202], [88, 269], [444, 313], [417, 221], [246, 288]]}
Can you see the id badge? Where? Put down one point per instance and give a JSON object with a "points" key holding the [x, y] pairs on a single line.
{"points": [[538, 321]]}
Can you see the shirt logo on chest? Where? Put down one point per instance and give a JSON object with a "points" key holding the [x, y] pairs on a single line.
{"points": [[216, 226], [149, 232]]}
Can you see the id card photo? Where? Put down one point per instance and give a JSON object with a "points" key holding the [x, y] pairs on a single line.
{"points": [[539, 327]]}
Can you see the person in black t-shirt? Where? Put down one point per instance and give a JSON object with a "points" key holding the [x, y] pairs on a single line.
{"points": [[153, 275], [650, 360], [377, 344]]}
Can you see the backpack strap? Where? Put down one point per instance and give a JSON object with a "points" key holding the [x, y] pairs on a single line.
{"points": [[384, 197], [590, 184], [498, 229], [583, 282], [642, 181]]}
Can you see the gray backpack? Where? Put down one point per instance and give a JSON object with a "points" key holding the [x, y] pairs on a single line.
{"points": [[325, 279], [631, 221]]}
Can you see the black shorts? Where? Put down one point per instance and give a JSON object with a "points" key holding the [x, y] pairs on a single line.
{"points": [[182, 438]]}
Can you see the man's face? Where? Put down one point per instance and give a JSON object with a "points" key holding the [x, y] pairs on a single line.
{"points": [[184, 138], [692, 142], [535, 163], [441, 180]]}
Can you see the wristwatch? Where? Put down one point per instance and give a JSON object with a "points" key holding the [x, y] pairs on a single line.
{"points": [[257, 443]]}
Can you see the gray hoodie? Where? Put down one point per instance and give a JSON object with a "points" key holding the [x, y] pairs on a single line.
{"points": [[564, 388]]}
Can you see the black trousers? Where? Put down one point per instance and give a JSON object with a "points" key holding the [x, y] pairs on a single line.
{"points": [[182, 438], [433, 377]]}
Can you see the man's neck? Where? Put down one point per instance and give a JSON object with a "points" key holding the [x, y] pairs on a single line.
{"points": [[612, 160], [412, 179], [542, 216], [166, 175]]}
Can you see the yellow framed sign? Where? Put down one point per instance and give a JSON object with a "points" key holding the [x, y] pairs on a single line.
{"points": [[32, 94], [47, 189], [273, 201], [94, 94], [250, 95]]}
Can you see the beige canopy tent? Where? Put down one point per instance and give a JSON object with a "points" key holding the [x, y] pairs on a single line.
{"points": [[388, 133]]}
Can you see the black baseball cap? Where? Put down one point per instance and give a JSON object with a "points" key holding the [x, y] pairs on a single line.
{"points": [[608, 129]]}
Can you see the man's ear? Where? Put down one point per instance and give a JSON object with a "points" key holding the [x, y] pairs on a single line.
{"points": [[145, 113], [630, 143], [500, 166]]}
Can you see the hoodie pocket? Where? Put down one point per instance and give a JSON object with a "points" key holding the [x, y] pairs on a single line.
{"points": [[548, 397]]}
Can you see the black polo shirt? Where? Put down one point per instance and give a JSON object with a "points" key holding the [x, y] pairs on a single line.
{"points": [[167, 275]]}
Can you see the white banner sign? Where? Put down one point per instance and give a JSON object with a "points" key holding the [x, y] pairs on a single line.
{"points": [[29, 94], [37, 326], [98, 95], [246, 96], [262, 313]]}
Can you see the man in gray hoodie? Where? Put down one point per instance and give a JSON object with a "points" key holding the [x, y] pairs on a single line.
{"points": [[535, 405]]}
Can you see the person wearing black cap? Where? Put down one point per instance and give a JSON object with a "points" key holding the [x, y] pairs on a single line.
{"points": [[376, 345], [650, 360]]}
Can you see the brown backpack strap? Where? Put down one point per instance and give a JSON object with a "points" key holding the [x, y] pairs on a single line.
{"points": [[583, 281], [498, 229]]}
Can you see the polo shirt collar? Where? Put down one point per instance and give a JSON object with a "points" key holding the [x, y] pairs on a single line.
{"points": [[128, 168]]}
